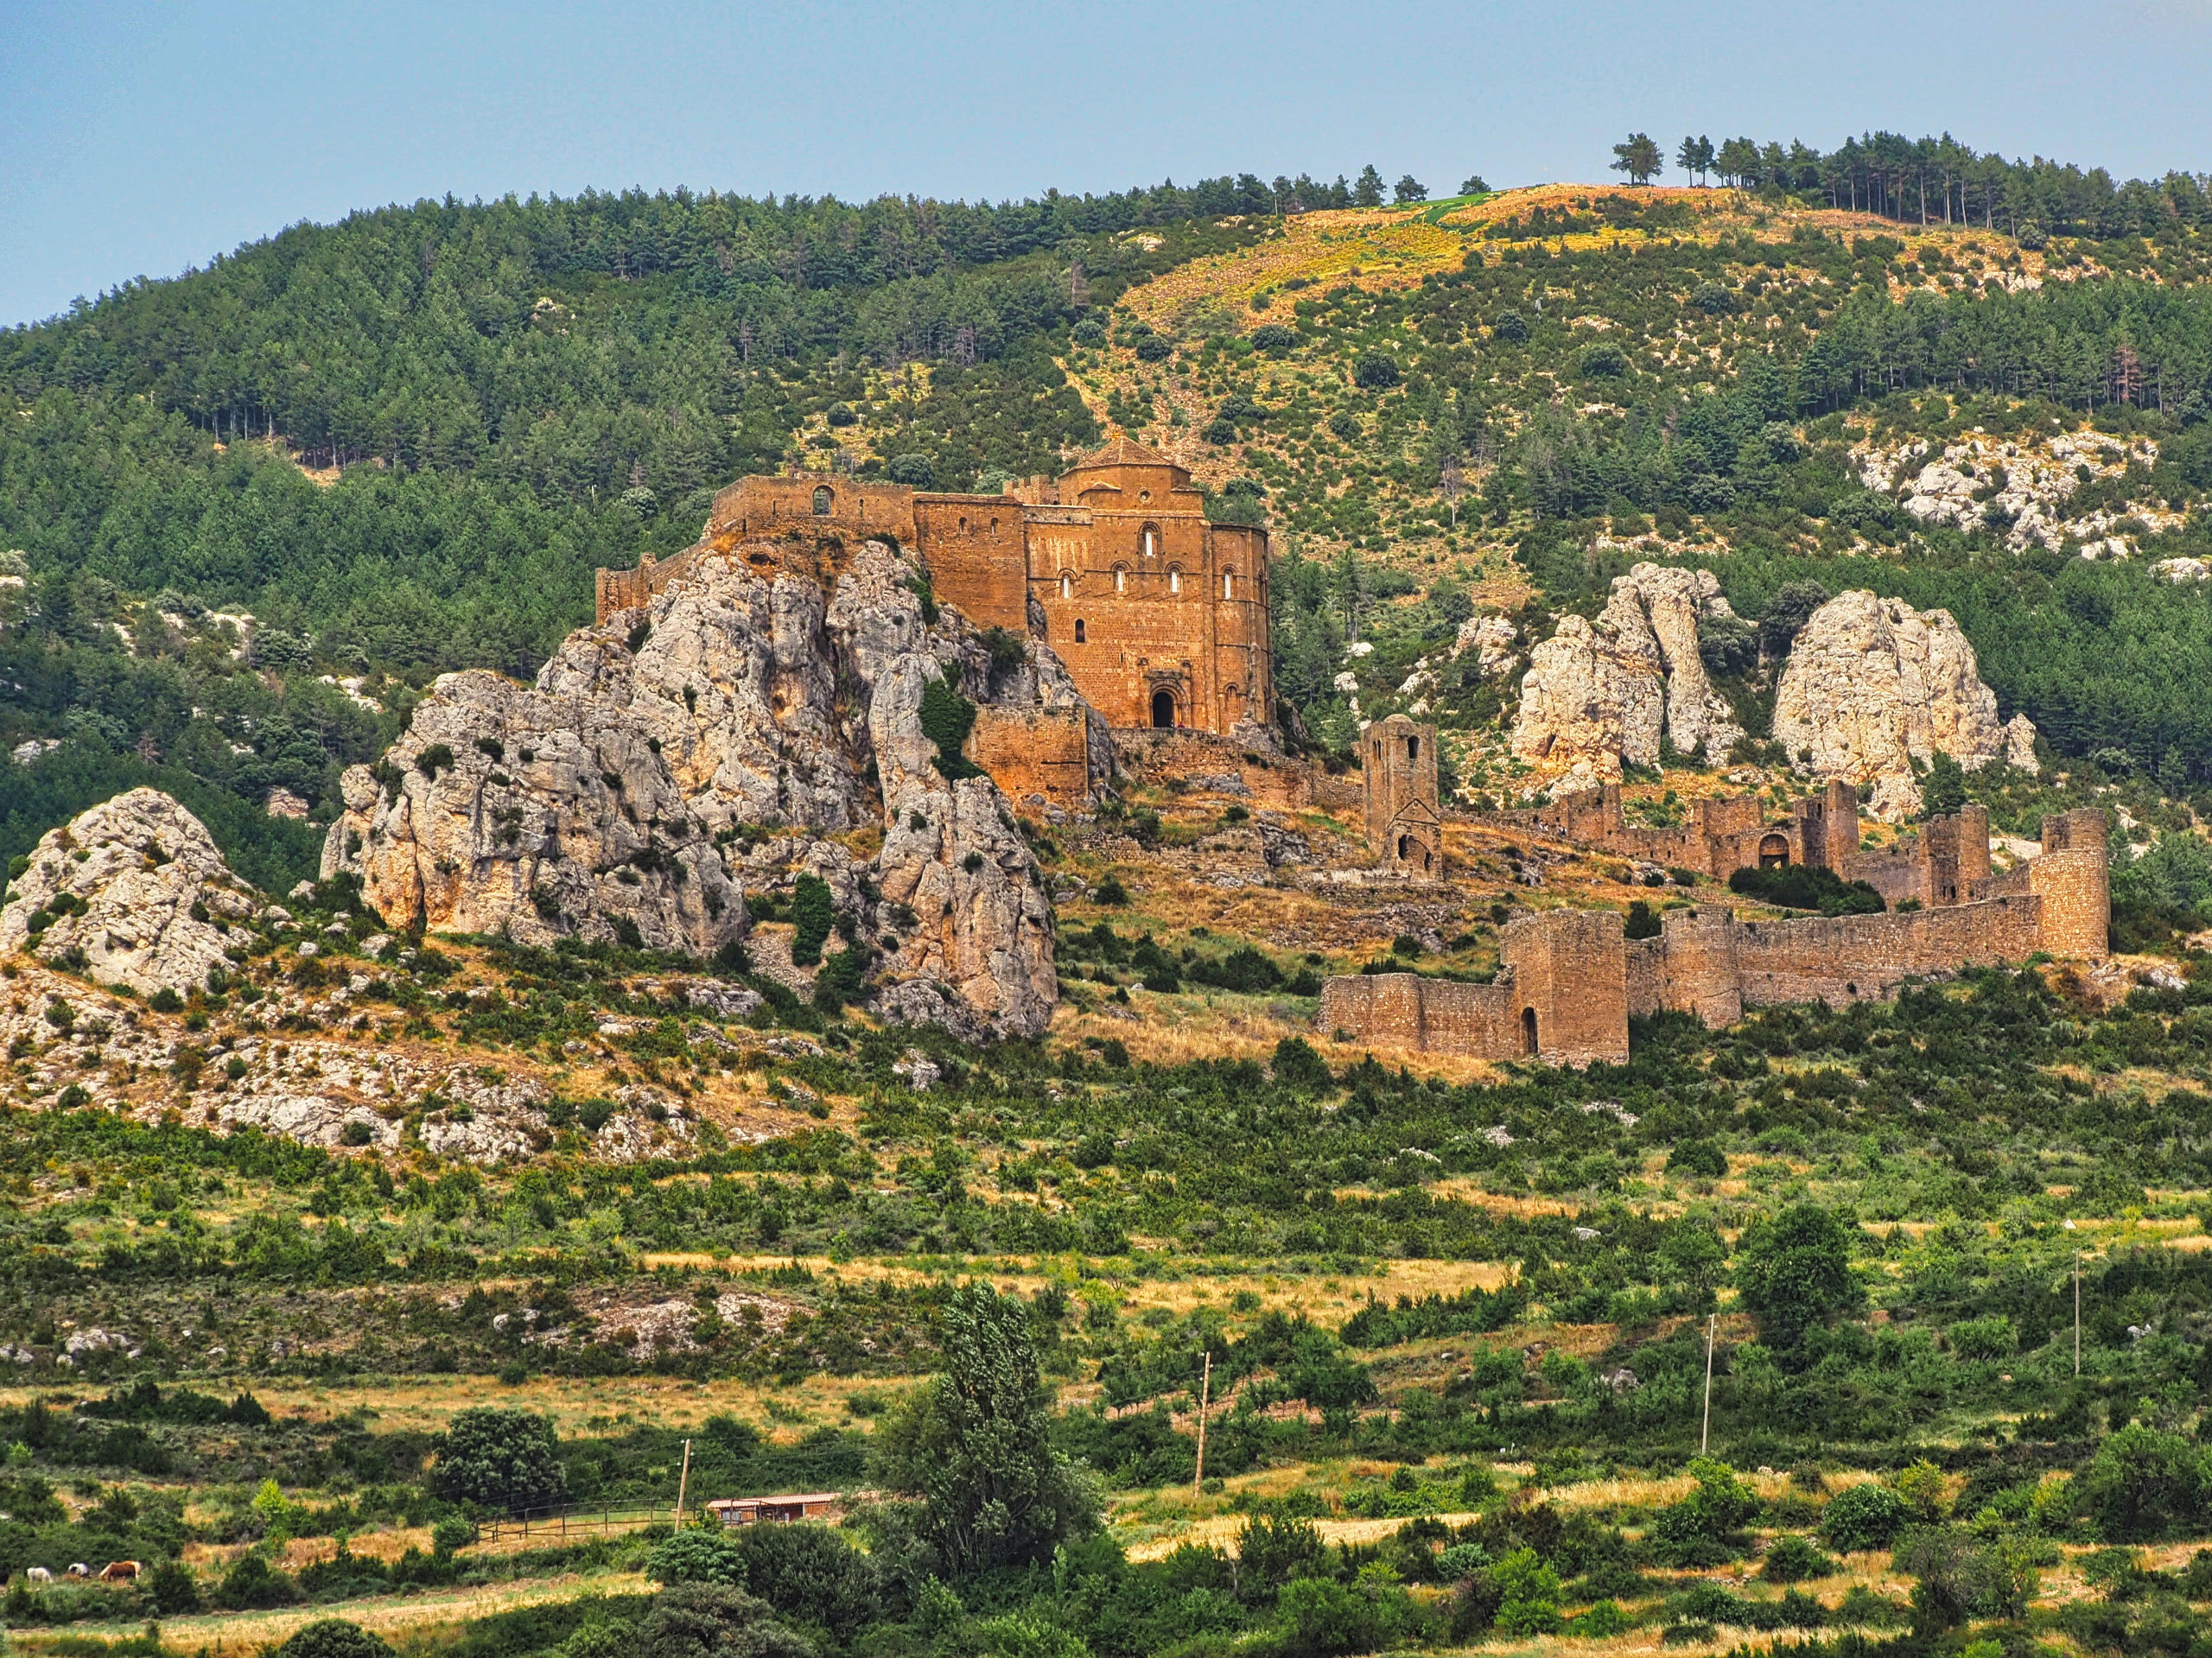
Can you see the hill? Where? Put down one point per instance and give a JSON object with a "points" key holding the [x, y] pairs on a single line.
{"points": [[414, 1279]]}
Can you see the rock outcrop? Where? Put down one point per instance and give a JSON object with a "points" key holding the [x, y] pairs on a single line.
{"points": [[1492, 639], [132, 891], [2025, 489], [2020, 744], [1599, 695], [604, 801], [1873, 686]]}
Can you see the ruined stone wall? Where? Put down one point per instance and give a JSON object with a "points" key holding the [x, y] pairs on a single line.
{"points": [[1841, 959], [1570, 970], [1038, 756], [766, 506], [976, 549], [1218, 764], [1419, 1015], [2074, 879], [1946, 863], [1398, 786], [1699, 971], [1721, 837]]}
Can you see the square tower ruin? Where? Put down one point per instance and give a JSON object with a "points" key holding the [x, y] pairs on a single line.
{"points": [[1405, 825]]}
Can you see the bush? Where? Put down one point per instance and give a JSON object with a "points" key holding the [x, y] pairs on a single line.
{"points": [[1110, 891], [1700, 1157], [947, 717], [334, 1637], [1701, 1529], [1798, 887], [2141, 1484], [1795, 1559], [1527, 1594], [1512, 327], [1322, 1618], [174, 1588], [814, 911], [1375, 371], [498, 1458], [1794, 1271], [1863, 1517], [697, 1556], [1602, 361], [913, 470], [1273, 336], [252, 1584], [1154, 349]]}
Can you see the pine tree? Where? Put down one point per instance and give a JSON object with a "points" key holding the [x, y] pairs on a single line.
{"points": [[1368, 193], [1639, 158]]}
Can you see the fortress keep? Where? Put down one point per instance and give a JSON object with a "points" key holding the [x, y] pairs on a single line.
{"points": [[1160, 616]]}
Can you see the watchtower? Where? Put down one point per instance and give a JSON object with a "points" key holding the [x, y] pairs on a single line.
{"points": [[1405, 829]]}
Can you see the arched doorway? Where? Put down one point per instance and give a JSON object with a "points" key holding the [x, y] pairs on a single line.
{"points": [[1163, 711], [1527, 1030], [1405, 848], [1773, 851], [823, 500]]}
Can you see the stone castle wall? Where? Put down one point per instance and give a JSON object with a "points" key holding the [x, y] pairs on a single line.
{"points": [[1562, 995], [1038, 756], [1572, 974]]}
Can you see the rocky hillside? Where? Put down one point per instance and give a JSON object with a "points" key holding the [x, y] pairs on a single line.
{"points": [[747, 727]]}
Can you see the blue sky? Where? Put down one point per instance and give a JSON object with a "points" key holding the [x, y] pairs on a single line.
{"points": [[141, 139]]}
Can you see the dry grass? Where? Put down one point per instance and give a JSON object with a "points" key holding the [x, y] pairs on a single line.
{"points": [[415, 1618]]}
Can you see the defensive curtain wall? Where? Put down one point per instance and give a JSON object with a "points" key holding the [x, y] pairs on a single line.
{"points": [[1160, 616], [1570, 980]]}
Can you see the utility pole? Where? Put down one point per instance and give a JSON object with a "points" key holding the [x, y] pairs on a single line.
{"points": [[683, 1483], [1705, 1433], [2077, 1313], [1206, 1395]]}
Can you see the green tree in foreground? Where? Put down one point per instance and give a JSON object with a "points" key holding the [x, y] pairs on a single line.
{"points": [[334, 1637], [1639, 158], [974, 1446], [1794, 1271], [499, 1459]]}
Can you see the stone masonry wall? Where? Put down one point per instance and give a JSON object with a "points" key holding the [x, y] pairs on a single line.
{"points": [[1038, 756]]}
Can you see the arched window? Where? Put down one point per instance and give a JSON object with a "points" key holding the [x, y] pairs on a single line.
{"points": [[1174, 578], [823, 500], [1163, 711], [1120, 578], [1229, 584], [1079, 629], [1527, 1030], [1067, 585], [1148, 541], [1413, 749]]}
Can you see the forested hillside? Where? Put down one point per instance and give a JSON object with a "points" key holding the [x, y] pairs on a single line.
{"points": [[401, 443]]}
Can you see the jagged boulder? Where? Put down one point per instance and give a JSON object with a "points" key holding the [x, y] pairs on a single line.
{"points": [[1492, 639], [605, 798], [1874, 686], [1599, 695], [132, 891]]}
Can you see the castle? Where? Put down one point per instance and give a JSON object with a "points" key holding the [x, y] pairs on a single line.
{"points": [[1160, 616], [1571, 980]]}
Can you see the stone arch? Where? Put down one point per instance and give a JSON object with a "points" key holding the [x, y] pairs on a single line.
{"points": [[1120, 578], [1079, 629], [1163, 711], [825, 500], [1773, 851], [1528, 1030], [1148, 541], [1229, 583], [1067, 585], [1174, 578]]}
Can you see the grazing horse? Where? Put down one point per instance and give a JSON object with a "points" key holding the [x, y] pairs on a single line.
{"points": [[119, 1571], [37, 1574]]}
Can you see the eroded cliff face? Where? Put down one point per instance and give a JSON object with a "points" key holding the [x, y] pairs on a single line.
{"points": [[610, 796], [1872, 686], [132, 891], [1599, 695]]}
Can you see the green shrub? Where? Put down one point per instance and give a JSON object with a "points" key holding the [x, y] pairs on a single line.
{"points": [[1862, 1517], [1794, 1559], [334, 1637], [814, 912], [947, 717], [1799, 887]]}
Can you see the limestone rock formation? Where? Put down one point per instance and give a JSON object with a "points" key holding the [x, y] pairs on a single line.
{"points": [[1492, 639], [1872, 687], [2020, 744], [1599, 695], [132, 891], [746, 695], [2026, 487]]}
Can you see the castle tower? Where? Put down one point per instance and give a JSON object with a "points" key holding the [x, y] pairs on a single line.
{"points": [[1398, 766], [2074, 880]]}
